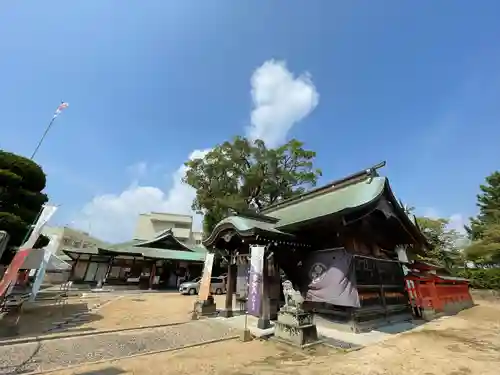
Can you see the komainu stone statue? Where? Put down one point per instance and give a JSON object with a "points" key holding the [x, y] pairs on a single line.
{"points": [[294, 325], [293, 298]]}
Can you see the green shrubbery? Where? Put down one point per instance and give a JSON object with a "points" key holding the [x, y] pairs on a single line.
{"points": [[21, 198], [482, 278]]}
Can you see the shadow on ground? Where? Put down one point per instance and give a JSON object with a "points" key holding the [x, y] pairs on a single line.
{"points": [[104, 371], [40, 318]]}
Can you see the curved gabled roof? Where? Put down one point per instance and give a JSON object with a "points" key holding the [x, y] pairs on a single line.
{"points": [[163, 240], [330, 202], [163, 246], [246, 227], [363, 190]]}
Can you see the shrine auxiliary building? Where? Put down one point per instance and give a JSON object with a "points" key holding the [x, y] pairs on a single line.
{"points": [[159, 263], [342, 245]]}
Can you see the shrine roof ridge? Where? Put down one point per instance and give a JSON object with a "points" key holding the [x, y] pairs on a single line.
{"points": [[331, 186]]}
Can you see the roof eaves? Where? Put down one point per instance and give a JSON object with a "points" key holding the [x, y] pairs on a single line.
{"points": [[254, 228], [417, 234]]}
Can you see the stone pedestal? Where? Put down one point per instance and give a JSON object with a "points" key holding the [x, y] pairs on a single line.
{"points": [[245, 335], [296, 328], [207, 307]]}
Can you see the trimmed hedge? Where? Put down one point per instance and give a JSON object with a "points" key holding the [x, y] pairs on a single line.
{"points": [[482, 278]]}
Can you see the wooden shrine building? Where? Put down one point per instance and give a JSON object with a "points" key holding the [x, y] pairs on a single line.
{"points": [[160, 263], [341, 245]]}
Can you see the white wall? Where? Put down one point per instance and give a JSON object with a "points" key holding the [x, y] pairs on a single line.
{"points": [[148, 225]]}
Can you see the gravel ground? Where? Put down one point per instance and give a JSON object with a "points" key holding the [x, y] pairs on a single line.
{"points": [[38, 317], [52, 354], [142, 310], [465, 344]]}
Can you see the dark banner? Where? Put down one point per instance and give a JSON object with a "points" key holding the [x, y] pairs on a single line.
{"points": [[331, 278]]}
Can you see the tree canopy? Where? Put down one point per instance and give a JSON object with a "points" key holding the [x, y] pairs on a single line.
{"points": [[21, 197], [444, 249], [242, 174], [484, 230]]}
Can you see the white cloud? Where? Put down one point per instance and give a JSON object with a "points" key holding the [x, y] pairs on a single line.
{"points": [[280, 100], [112, 217]]}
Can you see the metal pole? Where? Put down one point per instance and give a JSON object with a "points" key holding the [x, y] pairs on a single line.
{"points": [[43, 137]]}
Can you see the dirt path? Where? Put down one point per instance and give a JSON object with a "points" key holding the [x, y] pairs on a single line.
{"points": [[468, 343]]}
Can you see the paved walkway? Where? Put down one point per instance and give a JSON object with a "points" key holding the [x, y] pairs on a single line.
{"points": [[51, 354]]}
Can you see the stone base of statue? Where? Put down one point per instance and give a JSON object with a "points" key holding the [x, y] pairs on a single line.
{"points": [[204, 307], [296, 327]]}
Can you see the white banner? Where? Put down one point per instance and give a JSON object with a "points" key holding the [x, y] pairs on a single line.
{"points": [[49, 250], [204, 290], [47, 212]]}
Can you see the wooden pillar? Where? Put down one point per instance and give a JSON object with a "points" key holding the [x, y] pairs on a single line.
{"points": [[87, 268], [152, 275], [73, 266], [227, 312], [110, 264]]}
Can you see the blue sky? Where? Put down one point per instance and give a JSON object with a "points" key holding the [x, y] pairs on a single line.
{"points": [[150, 82]]}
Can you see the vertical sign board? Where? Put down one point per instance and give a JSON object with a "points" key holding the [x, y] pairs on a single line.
{"points": [[10, 277], [204, 291], [43, 218], [255, 282], [50, 249]]}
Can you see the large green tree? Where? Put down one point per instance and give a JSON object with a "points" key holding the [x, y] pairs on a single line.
{"points": [[486, 251], [444, 249], [21, 197], [484, 230], [488, 202], [242, 174]]}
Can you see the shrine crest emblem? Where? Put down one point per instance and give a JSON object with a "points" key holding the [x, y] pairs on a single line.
{"points": [[317, 272]]}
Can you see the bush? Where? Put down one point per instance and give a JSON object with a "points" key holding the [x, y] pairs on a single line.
{"points": [[482, 278]]}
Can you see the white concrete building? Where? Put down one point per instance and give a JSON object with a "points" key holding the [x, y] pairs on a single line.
{"points": [[150, 224], [71, 238]]}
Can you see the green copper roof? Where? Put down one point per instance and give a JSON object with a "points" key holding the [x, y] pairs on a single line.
{"points": [[199, 249], [328, 202], [163, 246], [148, 252], [246, 226], [162, 240], [82, 250]]}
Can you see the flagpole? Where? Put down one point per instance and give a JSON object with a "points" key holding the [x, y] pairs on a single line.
{"points": [[43, 137], [59, 109]]}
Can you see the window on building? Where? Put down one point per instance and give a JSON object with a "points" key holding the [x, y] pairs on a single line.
{"points": [[197, 242]]}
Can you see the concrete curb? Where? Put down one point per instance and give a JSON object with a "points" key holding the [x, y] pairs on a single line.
{"points": [[133, 356], [88, 333]]}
